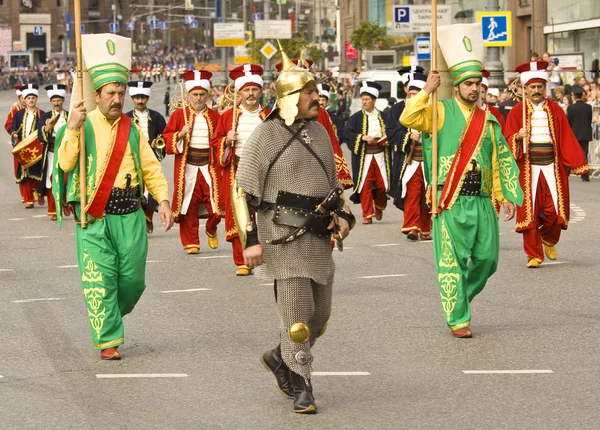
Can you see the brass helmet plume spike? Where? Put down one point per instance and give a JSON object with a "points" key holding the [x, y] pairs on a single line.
{"points": [[286, 63]]}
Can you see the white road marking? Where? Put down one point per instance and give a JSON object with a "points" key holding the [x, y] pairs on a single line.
{"points": [[386, 244], [382, 276], [7, 270], [504, 372], [70, 266], [345, 248], [555, 262], [50, 299], [340, 373], [153, 261], [16, 219], [186, 291], [140, 375], [39, 216], [34, 237], [212, 256]]}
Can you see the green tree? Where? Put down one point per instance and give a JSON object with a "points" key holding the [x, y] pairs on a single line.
{"points": [[369, 36]]}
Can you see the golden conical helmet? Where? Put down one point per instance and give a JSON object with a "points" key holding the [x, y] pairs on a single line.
{"points": [[291, 80]]}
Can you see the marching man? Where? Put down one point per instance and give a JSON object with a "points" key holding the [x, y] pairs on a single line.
{"points": [[23, 124], [544, 148], [371, 155], [11, 114], [48, 124], [187, 135], [234, 129], [152, 125]]}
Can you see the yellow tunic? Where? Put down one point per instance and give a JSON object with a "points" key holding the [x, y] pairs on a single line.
{"points": [[152, 175], [418, 114]]}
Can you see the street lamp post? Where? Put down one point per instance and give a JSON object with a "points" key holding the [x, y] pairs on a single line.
{"points": [[493, 63]]}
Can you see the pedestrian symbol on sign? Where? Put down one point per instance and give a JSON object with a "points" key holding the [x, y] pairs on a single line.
{"points": [[496, 28]]}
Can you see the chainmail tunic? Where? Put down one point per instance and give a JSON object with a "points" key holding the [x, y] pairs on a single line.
{"points": [[295, 171]]}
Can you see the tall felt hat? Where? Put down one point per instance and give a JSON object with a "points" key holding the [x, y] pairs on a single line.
{"points": [[56, 90], [463, 50], [17, 89], [247, 75], [405, 72], [370, 88], [532, 72], [324, 90], [29, 90], [107, 58], [292, 78], [417, 81], [484, 79], [195, 79], [140, 88]]}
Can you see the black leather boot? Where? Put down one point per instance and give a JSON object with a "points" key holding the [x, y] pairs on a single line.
{"points": [[304, 403], [274, 363]]}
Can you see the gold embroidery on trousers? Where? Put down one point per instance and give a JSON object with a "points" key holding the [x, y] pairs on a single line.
{"points": [[447, 259], [94, 301], [448, 282]]}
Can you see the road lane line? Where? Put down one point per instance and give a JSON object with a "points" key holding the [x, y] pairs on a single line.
{"points": [[382, 276], [140, 375], [70, 266], [555, 262], [186, 291], [153, 261], [504, 372], [340, 373], [345, 247], [50, 299], [16, 219], [386, 244], [39, 216], [34, 237], [7, 270], [212, 256], [266, 285]]}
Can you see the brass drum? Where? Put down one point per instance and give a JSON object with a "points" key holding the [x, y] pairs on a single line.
{"points": [[29, 151]]}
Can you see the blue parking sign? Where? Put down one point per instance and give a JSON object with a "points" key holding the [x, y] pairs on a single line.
{"points": [[402, 14], [496, 28]]}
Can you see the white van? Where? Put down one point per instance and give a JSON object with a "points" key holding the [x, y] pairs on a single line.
{"points": [[391, 86]]}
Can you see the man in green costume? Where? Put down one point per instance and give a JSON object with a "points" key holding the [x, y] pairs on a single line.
{"points": [[112, 249], [474, 161]]}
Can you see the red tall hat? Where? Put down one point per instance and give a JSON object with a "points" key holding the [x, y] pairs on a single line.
{"points": [[532, 72], [484, 79], [18, 89], [195, 79], [303, 64], [247, 75]]}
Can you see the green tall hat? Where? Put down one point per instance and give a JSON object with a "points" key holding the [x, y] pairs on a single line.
{"points": [[107, 57], [463, 50]]}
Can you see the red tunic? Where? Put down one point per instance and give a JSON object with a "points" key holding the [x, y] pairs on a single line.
{"points": [[171, 133], [567, 153], [496, 112], [11, 114], [227, 166], [340, 162]]}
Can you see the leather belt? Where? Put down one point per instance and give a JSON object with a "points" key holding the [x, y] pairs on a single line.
{"points": [[123, 201]]}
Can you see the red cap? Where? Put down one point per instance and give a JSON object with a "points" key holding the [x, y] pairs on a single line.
{"points": [[534, 71], [195, 79], [247, 75]]}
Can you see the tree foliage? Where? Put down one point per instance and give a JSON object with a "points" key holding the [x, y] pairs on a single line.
{"points": [[369, 36]]}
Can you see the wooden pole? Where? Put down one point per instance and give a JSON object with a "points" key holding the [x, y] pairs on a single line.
{"points": [[524, 112], [82, 154], [182, 84], [434, 116]]}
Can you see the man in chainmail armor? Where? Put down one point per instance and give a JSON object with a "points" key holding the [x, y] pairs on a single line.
{"points": [[288, 174]]}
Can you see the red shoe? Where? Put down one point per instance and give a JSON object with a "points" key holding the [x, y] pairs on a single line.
{"points": [[53, 218], [464, 333], [424, 237], [367, 220], [110, 354], [378, 214]]}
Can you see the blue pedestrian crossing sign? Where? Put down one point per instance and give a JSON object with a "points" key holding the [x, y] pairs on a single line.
{"points": [[130, 26], [496, 28], [113, 27]]}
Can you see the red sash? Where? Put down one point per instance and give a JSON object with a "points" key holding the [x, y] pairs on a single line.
{"points": [[470, 142], [102, 192]]}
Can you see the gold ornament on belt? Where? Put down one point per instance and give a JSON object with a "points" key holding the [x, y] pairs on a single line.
{"points": [[299, 332]]}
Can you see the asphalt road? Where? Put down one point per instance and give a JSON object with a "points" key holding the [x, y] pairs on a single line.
{"points": [[206, 343]]}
